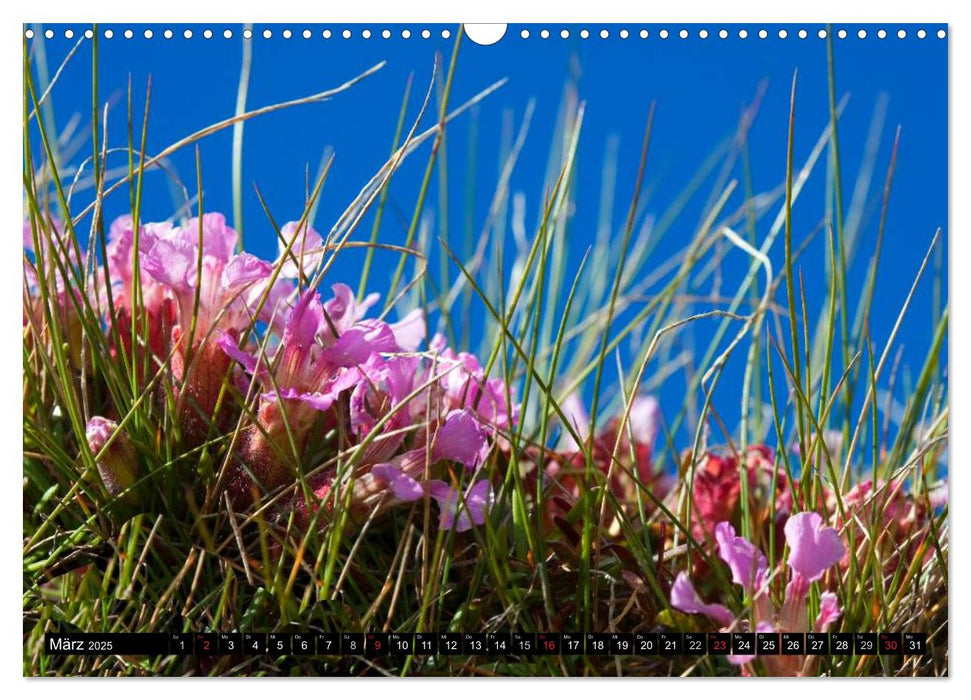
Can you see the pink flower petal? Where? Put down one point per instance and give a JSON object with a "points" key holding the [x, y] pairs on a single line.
{"points": [[343, 310], [346, 378], [314, 399], [404, 487], [477, 500], [306, 249], [173, 263], [401, 377], [244, 269], [229, 346], [829, 611], [388, 381], [461, 438], [360, 341], [218, 239], [303, 323], [319, 400], [410, 331], [277, 307], [447, 498], [685, 598], [747, 563], [813, 548]]}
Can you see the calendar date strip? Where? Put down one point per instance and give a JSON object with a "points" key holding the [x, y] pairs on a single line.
{"points": [[374, 644]]}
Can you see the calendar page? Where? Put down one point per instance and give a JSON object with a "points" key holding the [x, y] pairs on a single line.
{"points": [[485, 350]]}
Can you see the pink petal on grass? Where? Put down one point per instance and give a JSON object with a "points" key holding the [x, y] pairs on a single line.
{"points": [[685, 598], [410, 331], [229, 346], [401, 377], [244, 269], [343, 309], [306, 249], [314, 399], [218, 239], [172, 262], [305, 320], [747, 563], [461, 438], [813, 548], [404, 487], [829, 611], [477, 500], [360, 341], [319, 400]]}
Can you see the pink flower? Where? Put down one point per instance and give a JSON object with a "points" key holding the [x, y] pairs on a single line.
{"points": [[717, 483], [172, 262], [360, 341], [410, 331], [325, 378], [387, 382], [171, 257], [685, 598], [321, 400], [461, 516], [466, 386], [747, 563], [343, 310], [461, 438], [157, 313], [210, 300], [311, 368], [307, 249], [116, 458], [829, 611], [404, 487], [812, 548]]}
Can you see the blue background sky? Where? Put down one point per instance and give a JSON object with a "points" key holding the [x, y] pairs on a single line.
{"points": [[700, 85]]}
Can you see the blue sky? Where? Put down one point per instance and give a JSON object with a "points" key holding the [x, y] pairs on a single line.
{"points": [[700, 87]]}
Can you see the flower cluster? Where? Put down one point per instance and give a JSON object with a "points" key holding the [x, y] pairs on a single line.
{"points": [[307, 389], [322, 406], [813, 550]]}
